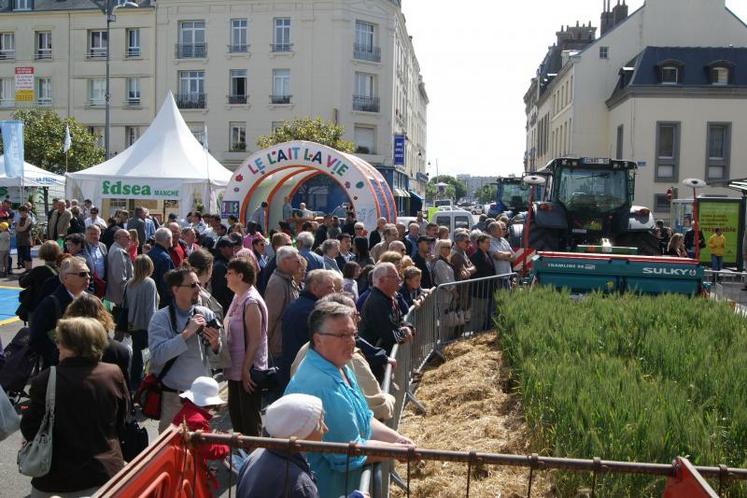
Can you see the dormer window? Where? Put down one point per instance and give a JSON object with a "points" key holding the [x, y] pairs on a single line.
{"points": [[720, 76], [670, 75]]}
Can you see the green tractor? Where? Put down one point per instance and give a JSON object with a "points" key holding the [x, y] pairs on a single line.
{"points": [[587, 200]]}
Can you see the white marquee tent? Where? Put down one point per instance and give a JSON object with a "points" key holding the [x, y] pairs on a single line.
{"points": [[166, 163], [32, 177]]}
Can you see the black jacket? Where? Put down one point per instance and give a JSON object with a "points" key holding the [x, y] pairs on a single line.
{"points": [[91, 403], [50, 309], [485, 268], [426, 282], [381, 319], [218, 284], [374, 238]]}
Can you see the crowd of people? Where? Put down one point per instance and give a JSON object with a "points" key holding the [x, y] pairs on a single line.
{"points": [[300, 325]]}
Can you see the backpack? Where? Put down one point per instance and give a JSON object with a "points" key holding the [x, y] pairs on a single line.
{"points": [[20, 362]]}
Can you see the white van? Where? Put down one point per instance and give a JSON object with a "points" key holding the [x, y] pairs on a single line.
{"points": [[456, 218]]}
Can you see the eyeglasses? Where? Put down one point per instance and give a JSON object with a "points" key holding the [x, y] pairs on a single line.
{"points": [[194, 285], [340, 336]]}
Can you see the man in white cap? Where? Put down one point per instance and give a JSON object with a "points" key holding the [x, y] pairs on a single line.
{"points": [[277, 474]]}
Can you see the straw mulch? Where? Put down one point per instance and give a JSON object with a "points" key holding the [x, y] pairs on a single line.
{"points": [[467, 409]]}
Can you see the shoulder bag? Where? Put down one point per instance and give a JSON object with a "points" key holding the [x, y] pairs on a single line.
{"points": [[148, 393], [35, 457], [265, 379]]}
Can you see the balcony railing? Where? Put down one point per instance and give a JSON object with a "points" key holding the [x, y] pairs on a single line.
{"points": [[191, 50], [280, 99], [281, 47], [43, 53], [7, 54], [44, 101], [5, 103], [367, 53], [133, 52], [96, 53], [238, 147], [238, 99], [366, 104], [238, 48], [132, 101], [96, 102], [191, 100]]}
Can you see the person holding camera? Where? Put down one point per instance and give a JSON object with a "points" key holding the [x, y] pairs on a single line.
{"points": [[246, 329], [183, 338]]}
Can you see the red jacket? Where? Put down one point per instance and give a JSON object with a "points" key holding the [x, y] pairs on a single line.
{"points": [[198, 419]]}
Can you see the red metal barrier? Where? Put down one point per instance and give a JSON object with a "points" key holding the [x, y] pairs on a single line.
{"points": [[166, 469], [687, 482]]}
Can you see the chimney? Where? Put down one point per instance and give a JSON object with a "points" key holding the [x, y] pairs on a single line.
{"points": [[608, 20], [619, 13]]}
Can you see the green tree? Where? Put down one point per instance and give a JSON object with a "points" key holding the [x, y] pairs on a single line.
{"points": [[313, 130], [43, 137], [486, 194], [454, 190]]}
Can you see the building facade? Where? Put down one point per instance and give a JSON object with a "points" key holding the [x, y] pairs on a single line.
{"points": [[621, 95], [236, 68]]}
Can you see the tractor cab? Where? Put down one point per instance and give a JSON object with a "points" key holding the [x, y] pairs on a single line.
{"points": [[589, 199], [512, 195]]}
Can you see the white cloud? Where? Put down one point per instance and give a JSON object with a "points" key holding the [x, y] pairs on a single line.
{"points": [[477, 57]]}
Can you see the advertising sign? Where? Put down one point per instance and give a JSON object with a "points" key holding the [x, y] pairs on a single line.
{"points": [[13, 148], [229, 208], [399, 150], [24, 84], [143, 189], [727, 214]]}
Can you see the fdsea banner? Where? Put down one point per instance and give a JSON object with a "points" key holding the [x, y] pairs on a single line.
{"points": [[726, 214], [139, 189]]}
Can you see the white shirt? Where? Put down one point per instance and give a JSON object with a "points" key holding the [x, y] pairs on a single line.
{"points": [[96, 221]]}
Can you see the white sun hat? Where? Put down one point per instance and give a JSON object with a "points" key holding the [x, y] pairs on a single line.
{"points": [[293, 415], [204, 392]]}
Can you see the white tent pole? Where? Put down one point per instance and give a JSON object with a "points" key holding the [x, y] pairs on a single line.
{"points": [[207, 200]]}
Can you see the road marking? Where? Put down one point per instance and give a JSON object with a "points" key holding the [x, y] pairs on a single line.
{"points": [[8, 321]]}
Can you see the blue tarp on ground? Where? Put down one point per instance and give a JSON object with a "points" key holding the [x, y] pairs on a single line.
{"points": [[8, 302]]}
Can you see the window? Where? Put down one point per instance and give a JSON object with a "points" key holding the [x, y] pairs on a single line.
{"points": [[98, 134], [365, 139], [237, 84], [276, 125], [133, 42], [670, 75], [364, 98], [619, 148], [280, 86], [281, 34], [237, 138], [97, 92], [604, 52], [7, 93], [719, 147], [191, 40], [43, 45], [97, 44], [191, 90], [198, 130], [238, 36], [133, 91], [7, 46], [667, 151], [365, 42], [720, 76], [132, 133], [22, 5], [661, 203], [43, 91]]}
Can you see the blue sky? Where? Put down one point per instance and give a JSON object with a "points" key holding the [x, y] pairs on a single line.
{"points": [[477, 57]]}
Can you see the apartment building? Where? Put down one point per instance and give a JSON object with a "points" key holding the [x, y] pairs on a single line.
{"points": [[237, 68], [661, 87]]}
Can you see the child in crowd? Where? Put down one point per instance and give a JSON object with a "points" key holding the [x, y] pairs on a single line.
{"points": [[411, 290], [350, 273], [4, 248], [198, 402]]}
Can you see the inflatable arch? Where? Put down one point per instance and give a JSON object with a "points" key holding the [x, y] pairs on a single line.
{"points": [[275, 173]]}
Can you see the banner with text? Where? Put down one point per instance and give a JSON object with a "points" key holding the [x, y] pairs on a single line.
{"points": [[13, 148], [24, 84], [726, 214]]}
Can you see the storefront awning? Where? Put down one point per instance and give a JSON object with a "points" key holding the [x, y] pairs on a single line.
{"points": [[398, 192], [414, 195]]}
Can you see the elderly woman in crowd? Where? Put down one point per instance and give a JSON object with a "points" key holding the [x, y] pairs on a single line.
{"points": [[141, 301], [324, 374], [443, 273], [246, 330], [330, 250], [91, 404]]}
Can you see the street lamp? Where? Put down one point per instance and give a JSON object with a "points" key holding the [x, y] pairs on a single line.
{"points": [[108, 7], [695, 183]]}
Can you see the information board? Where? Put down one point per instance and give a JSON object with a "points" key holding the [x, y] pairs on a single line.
{"points": [[24, 84], [728, 215]]}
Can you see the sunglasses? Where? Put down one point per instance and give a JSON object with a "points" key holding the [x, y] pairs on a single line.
{"points": [[81, 274]]}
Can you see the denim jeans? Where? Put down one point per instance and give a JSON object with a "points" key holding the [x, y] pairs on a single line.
{"points": [[139, 342], [716, 262]]}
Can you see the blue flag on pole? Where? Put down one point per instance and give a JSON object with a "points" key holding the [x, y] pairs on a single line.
{"points": [[13, 148]]}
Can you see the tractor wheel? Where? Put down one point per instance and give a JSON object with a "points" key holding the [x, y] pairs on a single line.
{"points": [[543, 239], [646, 242]]}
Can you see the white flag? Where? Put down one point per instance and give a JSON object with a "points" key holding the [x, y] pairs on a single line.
{"points": [[68, 141], [204, 137]]}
